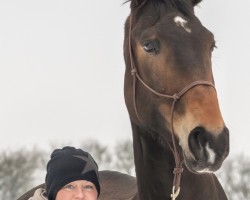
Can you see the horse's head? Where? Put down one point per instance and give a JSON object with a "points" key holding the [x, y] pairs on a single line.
{"points": [[167, 47]]}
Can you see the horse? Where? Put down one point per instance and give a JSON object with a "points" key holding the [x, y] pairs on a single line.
{"points": [[179, 135], [114, 186]]}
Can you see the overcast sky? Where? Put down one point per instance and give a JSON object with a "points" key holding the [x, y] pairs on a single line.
{"points": [[61, 70]]}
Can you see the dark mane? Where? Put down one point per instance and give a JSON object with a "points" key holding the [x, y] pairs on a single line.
{"points": [[183, 6]]}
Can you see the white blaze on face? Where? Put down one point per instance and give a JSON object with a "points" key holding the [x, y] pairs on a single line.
{"points": [[179, 21]]}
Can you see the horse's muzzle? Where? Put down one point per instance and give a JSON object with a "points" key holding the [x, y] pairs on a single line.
{"points": [[208, 150]]}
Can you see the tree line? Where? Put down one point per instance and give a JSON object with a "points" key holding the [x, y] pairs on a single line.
{"points": [[22, 169]]}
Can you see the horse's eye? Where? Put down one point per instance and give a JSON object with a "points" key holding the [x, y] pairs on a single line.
{"points": [[151, 46]]}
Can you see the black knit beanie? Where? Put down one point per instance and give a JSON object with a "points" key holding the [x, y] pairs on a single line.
{"points": [[67, 165]]}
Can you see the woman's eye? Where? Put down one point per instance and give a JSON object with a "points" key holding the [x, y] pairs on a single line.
{"points": [[151, 46], [71, 187], [88, 187]]}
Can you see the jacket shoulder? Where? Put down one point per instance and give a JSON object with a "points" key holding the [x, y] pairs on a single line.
{"points": [[39, 195]]}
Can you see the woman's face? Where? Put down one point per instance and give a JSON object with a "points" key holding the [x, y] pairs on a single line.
{"points": [[80, 190]]}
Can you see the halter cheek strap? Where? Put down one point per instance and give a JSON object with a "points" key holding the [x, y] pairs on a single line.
{"points": [[175, 97]]}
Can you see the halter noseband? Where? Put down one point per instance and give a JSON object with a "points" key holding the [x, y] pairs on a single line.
{"points": [[175, 97]]}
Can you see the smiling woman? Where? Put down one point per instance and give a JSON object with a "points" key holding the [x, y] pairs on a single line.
{"points": [[71, 174]]}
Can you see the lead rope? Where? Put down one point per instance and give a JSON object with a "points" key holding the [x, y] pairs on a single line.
{"points": [[178, 163]]}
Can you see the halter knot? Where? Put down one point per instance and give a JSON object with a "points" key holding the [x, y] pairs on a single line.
{"points": [[133, 72], [176, 97], [178, 170]]}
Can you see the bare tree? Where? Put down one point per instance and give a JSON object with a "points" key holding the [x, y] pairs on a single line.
{"points": [[100, 152], [17, 169], [120, 157], [235, 177], [21, 170], [124, 157]]}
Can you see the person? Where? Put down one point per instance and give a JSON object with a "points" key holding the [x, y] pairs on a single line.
{"points": [[71, 174]]}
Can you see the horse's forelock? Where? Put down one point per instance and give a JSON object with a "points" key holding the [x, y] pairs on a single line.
{"points": [[184, 6], [140, 3]]}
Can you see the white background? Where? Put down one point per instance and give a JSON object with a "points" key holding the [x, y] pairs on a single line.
{"points": [[61, 70]]}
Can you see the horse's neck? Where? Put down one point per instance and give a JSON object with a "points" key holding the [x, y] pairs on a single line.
{"points": [[154, 171], [154, 166], [201, 186]]}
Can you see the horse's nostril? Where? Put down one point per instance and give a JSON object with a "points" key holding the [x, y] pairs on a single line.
{"points": [[207, 150], [197, 142]]}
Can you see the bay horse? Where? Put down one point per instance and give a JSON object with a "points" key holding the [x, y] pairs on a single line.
{"points": [[172, 102], [171, 99], [114, 186]]}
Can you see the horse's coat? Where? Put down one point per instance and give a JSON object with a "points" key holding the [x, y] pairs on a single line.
{"points": [[166, 50]]}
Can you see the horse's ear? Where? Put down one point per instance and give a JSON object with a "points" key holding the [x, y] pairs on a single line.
{"points": [[195, 2]]}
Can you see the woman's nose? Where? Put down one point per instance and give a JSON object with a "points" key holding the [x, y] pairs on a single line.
{"points": [[79, 193]]}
